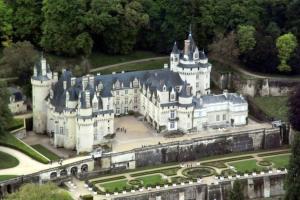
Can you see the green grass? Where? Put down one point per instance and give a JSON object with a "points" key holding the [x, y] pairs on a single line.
{"points": [[115, 186], [279, 161], [7, 177], [152, 180], [99, 59], [275, 107], [11, 141], [16, 123], [246, 166], [107, 179], [7, 161], [221, 163], [168, 172], [46, 152], [147, 65]]}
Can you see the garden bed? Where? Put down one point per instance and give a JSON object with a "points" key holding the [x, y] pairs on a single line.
{"points": [[46, 152], [198, 172], [7, 161], [168, 172]]}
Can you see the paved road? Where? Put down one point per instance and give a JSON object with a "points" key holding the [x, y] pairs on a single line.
{"points": [[28, 165], [126, 63], [238, 68]]}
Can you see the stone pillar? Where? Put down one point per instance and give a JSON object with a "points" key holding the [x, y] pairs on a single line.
{"points": [[267, 189], [250, 185]]}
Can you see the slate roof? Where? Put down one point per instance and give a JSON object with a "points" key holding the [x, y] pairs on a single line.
{"points": [[152, 79], [230, 97], [17, 93]]}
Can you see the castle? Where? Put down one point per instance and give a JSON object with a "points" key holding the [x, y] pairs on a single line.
{"points": [[79, 112]]}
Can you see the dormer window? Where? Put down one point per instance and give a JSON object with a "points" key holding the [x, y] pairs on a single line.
{"points": [[95, 105], [172, 97], [164, 88]]}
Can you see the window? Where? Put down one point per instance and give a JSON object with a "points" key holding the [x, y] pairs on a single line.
{"points": [[135, 91], [118, 111], [224, 117], [117, 92], [95, 105], [126, 91], [107, 107], [117, 101], [61, 130], [197, 84], [172, 125], [126, 100], [172, 97], [172, 114], [176, 59], [197, 76], [218, 118], [135, 99], [126, 109]]}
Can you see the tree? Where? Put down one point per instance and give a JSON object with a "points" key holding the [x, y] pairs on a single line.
{"points": [[5, 24], [246, 38], [27, 19], [294, 111], [64, 29], [6, 116], [292, 185], [237, 191], [286, 45], [47, 191]]}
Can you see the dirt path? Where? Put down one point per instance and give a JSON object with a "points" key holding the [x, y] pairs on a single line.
{"points": [[126, 63], [238, 68]]}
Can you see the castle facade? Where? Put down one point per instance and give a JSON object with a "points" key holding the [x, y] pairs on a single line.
{"points": [[79, 112]]}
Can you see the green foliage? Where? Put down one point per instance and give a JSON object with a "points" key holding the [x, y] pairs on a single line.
{"points": [[5, 116], [6, 29], [292, 185], [7, 177], [237, 191], [286, 45], [246, 38], [46, 152], [87, 197], [294, 112], [48, 191], [64, 29], [168, 172]]}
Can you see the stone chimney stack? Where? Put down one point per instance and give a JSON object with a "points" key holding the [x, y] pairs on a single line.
{"points": [[73, 81], [87, 99], [44, 67], [186, 46], [34, 71], [55, 76]]}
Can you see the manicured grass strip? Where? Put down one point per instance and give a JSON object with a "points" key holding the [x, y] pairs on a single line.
{"points": [[168, 172], [246, 166], [16, 123], [11, 141], [275, 107], [146, 65], [7, 161], [7, 177], [46, 152], [281, 161], [152, 180], [108, 179], [221, 163], [115, 186], [273, 153]]}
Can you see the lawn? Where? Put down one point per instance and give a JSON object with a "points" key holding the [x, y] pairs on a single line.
{"points": [[11, 141], [16, 123], [168, 172], [7, 177], [46, 152], [7, 161], [221, 163], [279, 161], [147, 65], [246, 166], [275, 107], [152, 180], [115, 186]]}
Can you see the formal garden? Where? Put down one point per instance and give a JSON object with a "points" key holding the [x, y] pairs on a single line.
{"points": [[188, 173]]}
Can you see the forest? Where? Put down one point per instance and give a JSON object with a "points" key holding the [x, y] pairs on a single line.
{"points": [[262, 34]]}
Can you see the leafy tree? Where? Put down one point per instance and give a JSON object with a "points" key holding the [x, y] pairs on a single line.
{"points": [[27, 19], [47, 191], [117, 23], [237, 191], [246, 38], [286, 45], [294, 112], [5, 24], [64, 29], [6, 115], [292, 185], [293, 17]]}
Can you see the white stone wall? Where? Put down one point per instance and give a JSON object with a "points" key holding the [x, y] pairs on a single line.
{"points": [[17, 107]]}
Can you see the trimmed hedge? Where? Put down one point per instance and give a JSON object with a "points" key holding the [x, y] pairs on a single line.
{"points": [[168, 172], [108, 179], [87, 197]]}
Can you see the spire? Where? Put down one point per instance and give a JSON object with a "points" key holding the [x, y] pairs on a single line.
{"points": [[175, 49]]}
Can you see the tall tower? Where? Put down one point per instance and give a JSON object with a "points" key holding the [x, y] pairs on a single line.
{"points": [[174, 58], [41, 83]]}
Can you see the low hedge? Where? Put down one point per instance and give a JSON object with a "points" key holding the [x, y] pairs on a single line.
{"points": [[108, 179], [87, 197], [168, 172]]}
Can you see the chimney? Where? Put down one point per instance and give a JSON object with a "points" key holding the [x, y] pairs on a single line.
{"points": [[65, 85], [44, 67], [84, 82], [98, 74], [186, 47], [55, 76], [87, 98], [198, 95], [225, 93], [73, 81], [166, 66], [92, 80], [113, 72], [34, 71], [123, 71]]}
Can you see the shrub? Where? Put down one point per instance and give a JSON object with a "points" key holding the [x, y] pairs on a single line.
{"points": [[87, 197]]}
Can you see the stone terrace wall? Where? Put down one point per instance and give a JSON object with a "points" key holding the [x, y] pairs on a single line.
{"points": [[202, 147]]}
